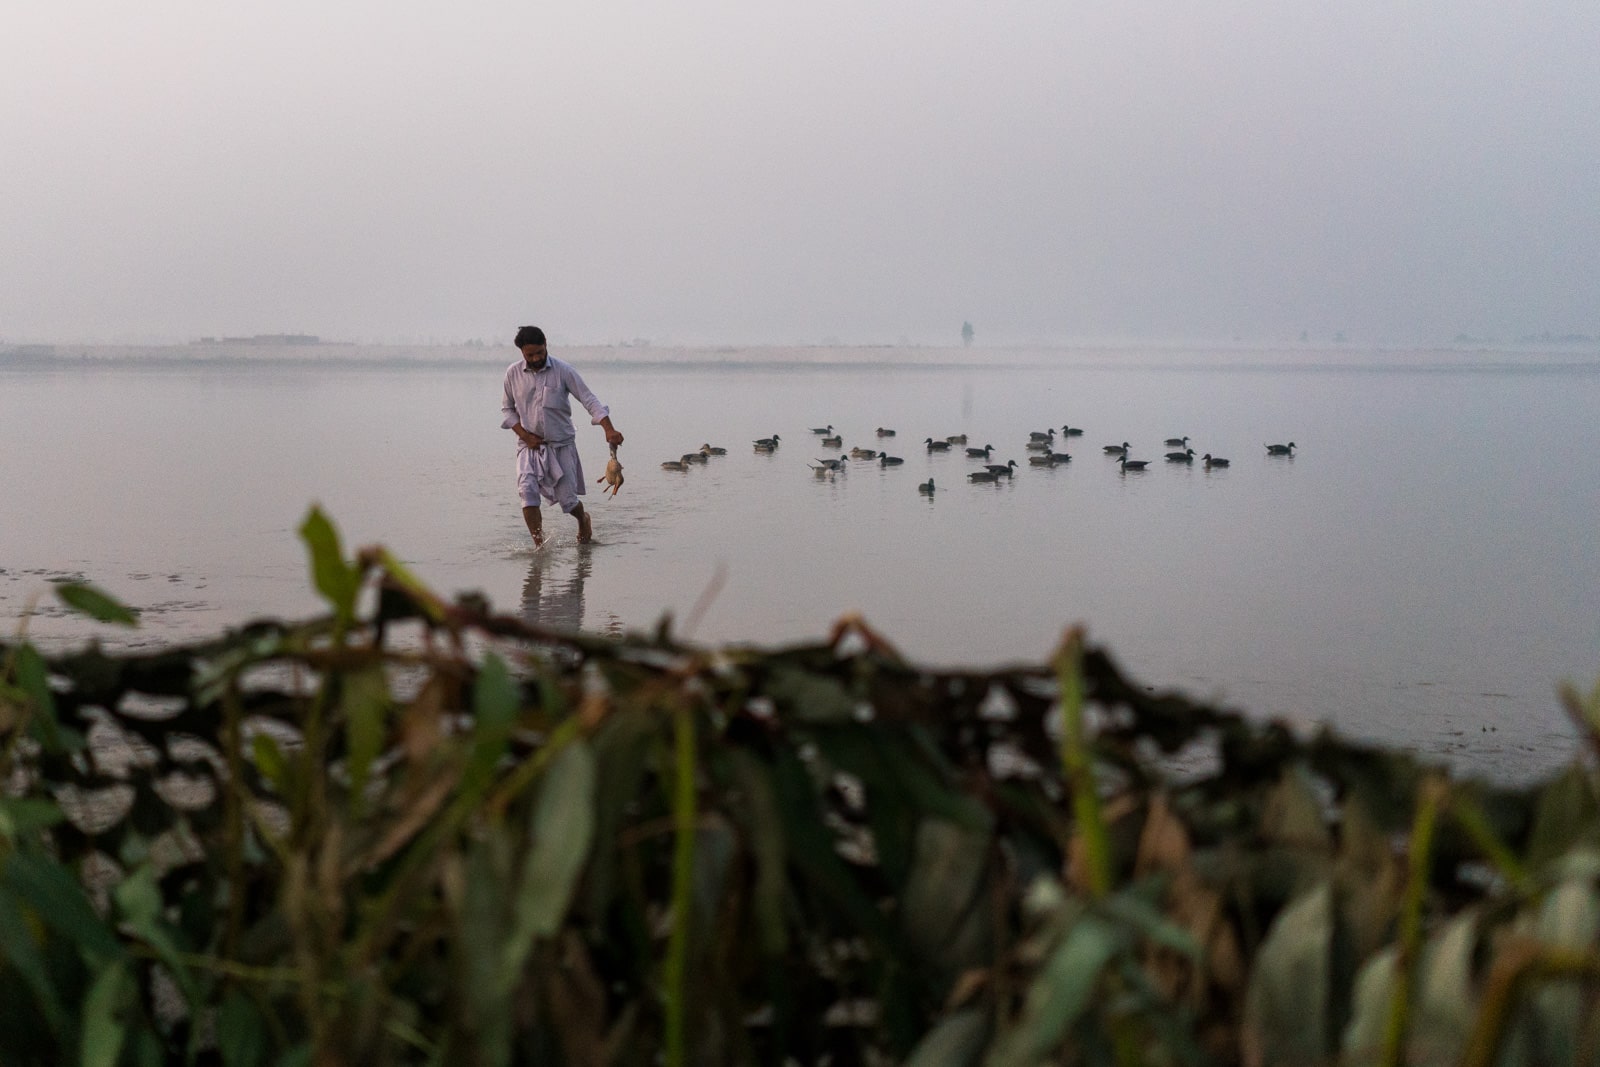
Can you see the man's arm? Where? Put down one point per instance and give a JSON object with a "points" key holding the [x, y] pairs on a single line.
{"points": [[599, 414]]}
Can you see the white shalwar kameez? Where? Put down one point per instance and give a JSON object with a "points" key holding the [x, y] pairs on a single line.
{"points": [[537, 400]]}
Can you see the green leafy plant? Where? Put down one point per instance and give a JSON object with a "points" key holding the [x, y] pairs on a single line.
{"points": [[416, 831]]}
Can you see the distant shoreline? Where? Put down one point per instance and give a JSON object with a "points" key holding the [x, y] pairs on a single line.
{"points": [[247, 353]]}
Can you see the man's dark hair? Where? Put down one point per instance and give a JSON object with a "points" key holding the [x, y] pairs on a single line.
{"points": [[529, 335]]}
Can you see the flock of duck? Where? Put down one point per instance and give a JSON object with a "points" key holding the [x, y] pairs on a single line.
{"points": [[1041, 448]]}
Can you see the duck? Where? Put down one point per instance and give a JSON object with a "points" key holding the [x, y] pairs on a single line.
{"points": [[766, 444], [1046, 459], [713, 451], [1212, 461], [833, 442], [1048, 435], [1133, 464], [1177, 442], [830, 465], [926, 488], [695, 457], [1039, 446], [864, 453], [1186, 456], [886, 460], [980, 453], [1116, 450], [881, 432], [998, 470], [821, 430], [1072, 431], [674, 465], [983, 476], [937, 446], [1281, 450], [1060, 457], [956, 439]]}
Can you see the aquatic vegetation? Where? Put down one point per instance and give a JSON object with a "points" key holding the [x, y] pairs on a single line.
{"points": [[417, 831]]}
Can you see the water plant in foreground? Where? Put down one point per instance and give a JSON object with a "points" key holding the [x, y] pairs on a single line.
{"points": [[417, 831]]}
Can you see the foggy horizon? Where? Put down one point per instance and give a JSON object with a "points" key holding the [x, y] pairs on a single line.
{"points": [[711, 174]]}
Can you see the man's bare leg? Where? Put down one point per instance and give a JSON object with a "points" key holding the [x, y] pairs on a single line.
{"points": [[535, 523], [585, 527]]}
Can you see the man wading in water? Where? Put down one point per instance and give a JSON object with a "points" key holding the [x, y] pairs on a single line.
{"points": [[535, 408]]}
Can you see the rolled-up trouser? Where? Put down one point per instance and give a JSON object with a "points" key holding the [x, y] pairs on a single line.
{"points": [[534, 481]]}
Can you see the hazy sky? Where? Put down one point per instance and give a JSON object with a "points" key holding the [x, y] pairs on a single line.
{"points": [[737, 172]]}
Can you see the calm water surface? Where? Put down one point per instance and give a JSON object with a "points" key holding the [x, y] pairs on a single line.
{"points": [[1424, 569]]}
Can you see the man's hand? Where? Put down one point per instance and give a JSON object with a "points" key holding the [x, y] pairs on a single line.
{"points": [[613, 438], [529, 438]]}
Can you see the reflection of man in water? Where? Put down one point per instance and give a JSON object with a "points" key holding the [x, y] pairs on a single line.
{"points": [[536, 409], [554, 600]]}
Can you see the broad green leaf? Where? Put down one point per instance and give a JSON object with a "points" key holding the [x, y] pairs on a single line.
{"points": [[1059, 995], [897, 769], [138, 898], [364, 701], [21, 816], [1570, 915], [811, 849], [495, 701], [483, 926], [96, 603], [809, 697], [299, 1056], [19, 949], [1569, 918], [892, 815], [763, 831], [240, 1033], [957, 1041], [33, 678], [1286, 1013], [102, 1028], [1446, 1000], [715, 846], [941, 889], [1369, 1010], [59, 900], [336, 580], [620, 746], [1146, 919], [144, 1050], [562, 830]]}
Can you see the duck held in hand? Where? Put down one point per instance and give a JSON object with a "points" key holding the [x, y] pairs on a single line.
{"points": [[613, 475]]}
